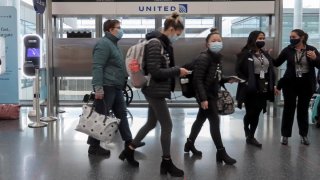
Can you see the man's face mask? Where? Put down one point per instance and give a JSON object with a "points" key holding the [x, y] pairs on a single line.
{"points": [[119, 34]]}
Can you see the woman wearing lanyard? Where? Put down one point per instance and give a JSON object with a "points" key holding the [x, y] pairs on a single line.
{"points": [[299, 81], [256, 67]]}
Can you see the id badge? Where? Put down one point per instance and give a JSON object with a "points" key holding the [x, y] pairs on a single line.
{"points": [[299, 74], [261, 74]]}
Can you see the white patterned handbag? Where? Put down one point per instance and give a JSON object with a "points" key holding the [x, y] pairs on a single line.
{"points": [[97, 125]]}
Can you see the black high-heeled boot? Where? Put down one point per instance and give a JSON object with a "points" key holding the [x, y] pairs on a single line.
{"points": [[223, 156], [189, 146], [168, 167], [128, 154]]}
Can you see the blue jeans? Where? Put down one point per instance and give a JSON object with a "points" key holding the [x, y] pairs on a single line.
{"points": [[114, 99]]}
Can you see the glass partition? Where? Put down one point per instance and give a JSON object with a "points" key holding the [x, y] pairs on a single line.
{"points": [[75, 24], [241, 26], [135, 27]]}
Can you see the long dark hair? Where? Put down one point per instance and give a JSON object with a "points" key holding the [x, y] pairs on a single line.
{"points": [[301, 33], [251, 42]]}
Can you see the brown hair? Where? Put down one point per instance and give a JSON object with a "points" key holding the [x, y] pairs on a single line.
{"points": [[173, 21], [301, 33], [212, 32], [110, 23]]}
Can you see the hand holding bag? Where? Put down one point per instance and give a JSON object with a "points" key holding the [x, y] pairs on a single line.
{"points": [[97, 125], [225, 102]]}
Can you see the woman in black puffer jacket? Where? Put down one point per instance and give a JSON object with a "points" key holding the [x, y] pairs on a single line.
{"points": [[162, 70], [206, 80]]}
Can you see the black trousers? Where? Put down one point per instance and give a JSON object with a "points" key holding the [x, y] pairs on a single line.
{"points": [[254, 104], [113, 98], [212, 114], [301, 88]]}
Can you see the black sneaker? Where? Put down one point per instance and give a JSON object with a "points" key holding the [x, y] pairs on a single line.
{"points": [[98, 151], [253, 141], [284, 140], [305, 140], [317, 124], [141, 144]]}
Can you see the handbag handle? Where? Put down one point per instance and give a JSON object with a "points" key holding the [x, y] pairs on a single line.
{"points": [[224, 87], [108, 110]]}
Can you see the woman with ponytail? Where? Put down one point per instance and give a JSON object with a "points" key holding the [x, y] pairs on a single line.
{"points": [[255, 66], [298, 82], [207, 77], [163, 72]]}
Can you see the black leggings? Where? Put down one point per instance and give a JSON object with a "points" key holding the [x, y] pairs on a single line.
{"points": [[212, 114], [254, 104], [157, 111]]}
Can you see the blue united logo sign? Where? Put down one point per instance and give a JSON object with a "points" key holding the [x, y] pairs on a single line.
{"points": [[183, 8]]}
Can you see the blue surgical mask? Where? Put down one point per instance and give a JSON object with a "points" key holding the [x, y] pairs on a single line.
{"points": [[215, 47], [173, 38], [120, 34]]}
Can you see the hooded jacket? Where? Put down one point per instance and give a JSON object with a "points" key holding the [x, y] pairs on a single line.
{"points": [[161, 67]]}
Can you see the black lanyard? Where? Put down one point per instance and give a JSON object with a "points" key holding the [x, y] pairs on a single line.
{"points": [[260, 59], [298, 60]]}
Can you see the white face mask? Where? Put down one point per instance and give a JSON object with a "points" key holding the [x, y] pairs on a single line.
{"points": [[215, 47], [173, 38]]}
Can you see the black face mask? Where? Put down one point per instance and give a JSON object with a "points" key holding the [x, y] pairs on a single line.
{"points": [[294, 42], [260, 44]]}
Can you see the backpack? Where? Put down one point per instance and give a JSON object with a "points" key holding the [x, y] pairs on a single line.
{"points": [[186, 82], [135, 63]]}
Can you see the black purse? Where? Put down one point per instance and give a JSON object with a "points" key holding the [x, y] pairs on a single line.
{"points": [[262, 85]]}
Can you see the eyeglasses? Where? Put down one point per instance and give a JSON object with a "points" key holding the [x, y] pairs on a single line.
{"points": [[117, 27]]}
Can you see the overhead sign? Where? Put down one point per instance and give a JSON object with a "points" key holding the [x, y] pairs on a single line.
{"points": [[39, 6], [165, 8], [9, 92]]}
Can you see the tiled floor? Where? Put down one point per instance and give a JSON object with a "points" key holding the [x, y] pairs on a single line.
{"points": [[58, 152]]}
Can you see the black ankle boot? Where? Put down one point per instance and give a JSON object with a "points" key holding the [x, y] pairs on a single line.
{"points": [[189, 146], [96, 150], [253, 141], [223, 156], [127, 143], [128, 154], [168, 167]]}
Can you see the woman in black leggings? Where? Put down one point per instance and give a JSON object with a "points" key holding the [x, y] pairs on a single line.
{"points": [[163, 73], [207, 79]]}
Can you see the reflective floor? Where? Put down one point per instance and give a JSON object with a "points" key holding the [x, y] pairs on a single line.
{"points": [[58, 152]]}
